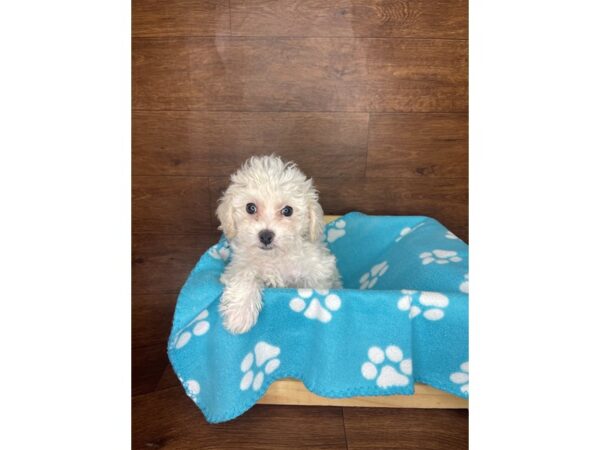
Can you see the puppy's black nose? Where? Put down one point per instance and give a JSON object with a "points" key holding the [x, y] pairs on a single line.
{"points": [[266, 237]]}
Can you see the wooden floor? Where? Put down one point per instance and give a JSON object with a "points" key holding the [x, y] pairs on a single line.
{"points": [[368, 96], [168, 419]]}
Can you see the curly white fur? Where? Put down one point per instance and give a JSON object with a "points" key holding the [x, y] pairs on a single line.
{"points": [[297, 256]]}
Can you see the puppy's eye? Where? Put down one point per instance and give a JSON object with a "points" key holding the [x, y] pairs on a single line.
{"points": [[251, 208], [287, 211]]}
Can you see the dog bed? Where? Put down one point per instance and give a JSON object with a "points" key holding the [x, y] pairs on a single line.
{"points": [[401, 318]]}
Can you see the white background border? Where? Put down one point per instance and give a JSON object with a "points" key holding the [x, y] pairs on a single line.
{"points": [[65, 169], [534, 229]]}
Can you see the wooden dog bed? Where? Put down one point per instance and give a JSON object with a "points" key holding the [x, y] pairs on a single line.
{"points": [[292, 392]]}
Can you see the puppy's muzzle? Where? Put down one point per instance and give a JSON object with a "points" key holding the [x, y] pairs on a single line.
{"points": [[266, 239]]}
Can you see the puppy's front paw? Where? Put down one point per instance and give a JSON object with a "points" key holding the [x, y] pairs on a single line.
{"points": [[239, 318], [239, 313]]}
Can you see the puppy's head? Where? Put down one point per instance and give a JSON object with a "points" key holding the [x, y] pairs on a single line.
{"points": [[270, 204]]}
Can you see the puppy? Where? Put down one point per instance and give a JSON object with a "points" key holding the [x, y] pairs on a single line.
{"points": [[271, 216]]}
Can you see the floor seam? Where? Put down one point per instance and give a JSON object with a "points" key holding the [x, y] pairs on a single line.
{"points": [[344, 423]]}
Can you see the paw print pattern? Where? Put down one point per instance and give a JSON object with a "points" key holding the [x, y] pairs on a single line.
{"points": [[315, 309], [464, 286], [222, 252], [406, 231], [369, 279], [431, 302], [462, 377], [336, 231], [263, 353], [196, 327], [439, 257], [387, 376], [192, 389]]}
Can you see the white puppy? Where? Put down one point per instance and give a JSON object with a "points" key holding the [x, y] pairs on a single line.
{"points": [[272, 218]]}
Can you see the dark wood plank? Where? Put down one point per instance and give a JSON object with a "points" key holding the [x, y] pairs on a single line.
{"points": [[147, 366], [418, 145], [417, 75], [205, 143], [358, 18], [171, 205], [168, 379], [180, 17], [444, 199], [168, 419], [161, 263], [418, 429], [151, 316], [312, 74]]}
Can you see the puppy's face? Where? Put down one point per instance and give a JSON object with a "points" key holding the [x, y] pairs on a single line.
{"points": [[267, 222], [270, 205]]}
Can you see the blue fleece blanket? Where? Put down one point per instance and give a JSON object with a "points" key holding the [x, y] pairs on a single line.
{"points": [[401, 318]]}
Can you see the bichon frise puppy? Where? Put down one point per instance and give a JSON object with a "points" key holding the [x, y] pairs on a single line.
{"points": [[271, 216]]}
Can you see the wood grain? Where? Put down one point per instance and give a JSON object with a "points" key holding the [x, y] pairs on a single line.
{"points": [[147, 366], [441, 198], [168, 419], [417, 75], [151, 315], [209, 143], [406, 429], [357, 18], [312, 74], [418, 145], [180, 17], [171, 205], [444, 199], [161, 263], [168, 379]]}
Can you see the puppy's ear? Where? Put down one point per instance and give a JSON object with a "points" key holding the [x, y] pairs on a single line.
{"points": [[225, 215], [315, 218]]}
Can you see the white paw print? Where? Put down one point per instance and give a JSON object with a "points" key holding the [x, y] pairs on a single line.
{"points": [[462, 377], [439, 257], [406, 231], [431, 302], [196, 327], [263, 352], [337, 231], [388, 375], [218, 251], [464, 286], [451, 235], [315, 309], [369, 279], [192, 388]]}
